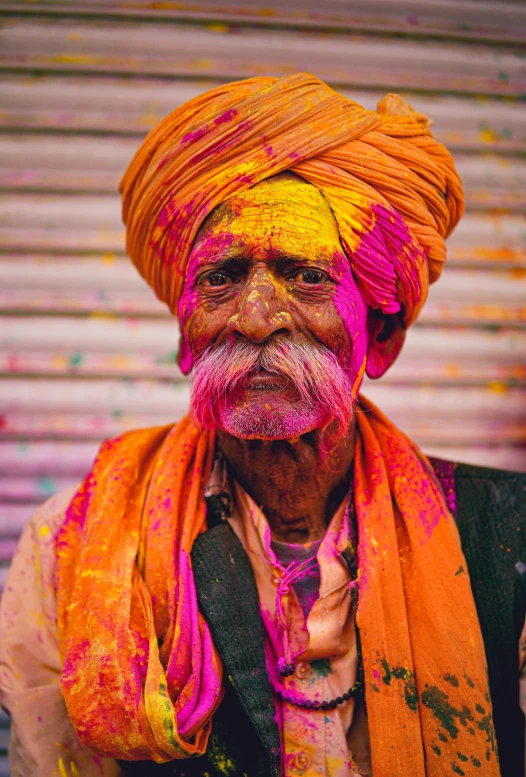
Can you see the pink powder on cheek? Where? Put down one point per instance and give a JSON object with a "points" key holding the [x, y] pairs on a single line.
{"points": [[208, 249], [352, 309], [186, 360], [187, 305]]}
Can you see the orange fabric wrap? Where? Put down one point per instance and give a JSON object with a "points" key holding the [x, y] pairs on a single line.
{"points": [[141, 676], [124, 583], [426, 682], [393, 189]]}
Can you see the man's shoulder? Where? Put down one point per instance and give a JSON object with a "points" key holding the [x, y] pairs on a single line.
{"points": [[475, 471], [489, 474], [485, 500], [470, 477], [491, 490], [490, 511]]}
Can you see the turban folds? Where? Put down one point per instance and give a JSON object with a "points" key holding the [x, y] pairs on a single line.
{"points": [[393, 189]]}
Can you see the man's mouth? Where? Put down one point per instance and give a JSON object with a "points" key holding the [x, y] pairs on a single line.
{"points": [[263, 380]]}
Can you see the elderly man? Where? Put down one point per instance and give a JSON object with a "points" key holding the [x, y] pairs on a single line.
{"points": [[276, 584]]}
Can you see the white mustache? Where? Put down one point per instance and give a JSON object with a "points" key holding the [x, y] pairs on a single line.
{"points": [[312, 369]]}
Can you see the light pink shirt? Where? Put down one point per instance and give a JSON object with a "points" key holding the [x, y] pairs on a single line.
{"points": [[314, 742]]}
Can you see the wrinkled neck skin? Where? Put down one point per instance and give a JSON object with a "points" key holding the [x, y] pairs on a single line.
{"points": [[269, 264], [298, 494]]}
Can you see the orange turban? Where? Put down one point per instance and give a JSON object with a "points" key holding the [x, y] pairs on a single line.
{"points": [[393, 189]]}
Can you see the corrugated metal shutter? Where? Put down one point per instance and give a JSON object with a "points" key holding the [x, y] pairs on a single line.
{"points": [[87, 351]]}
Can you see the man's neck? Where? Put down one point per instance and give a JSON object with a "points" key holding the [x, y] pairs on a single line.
{"points": [[298, 487]]}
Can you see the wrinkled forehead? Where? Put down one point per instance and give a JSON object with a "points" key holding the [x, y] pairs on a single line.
{"points": [[281, 209]]}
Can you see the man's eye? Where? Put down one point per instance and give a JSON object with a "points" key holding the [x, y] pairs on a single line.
{"points": [[217, 278], [311, 276]]}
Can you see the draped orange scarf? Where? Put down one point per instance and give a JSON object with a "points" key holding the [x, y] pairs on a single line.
{"points": [[142, 678]]}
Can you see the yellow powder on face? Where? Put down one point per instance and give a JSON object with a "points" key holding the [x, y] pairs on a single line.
{"points": [[283, 212], [61, 768]]}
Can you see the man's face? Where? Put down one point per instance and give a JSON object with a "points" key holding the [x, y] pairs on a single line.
{"points": [[267, 275]]}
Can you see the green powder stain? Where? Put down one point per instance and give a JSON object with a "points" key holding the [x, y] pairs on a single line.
{"points": [[406, 676], [436, 749], [469, 681], [486, 725], [457, 769], [47, 486], [374, 687], [442, 737], [475, 762], [321, 667], [471, 731], [452, 679], [387, 676], [165, 358], [438, 702], [75, 360], [480, 709], [459, 571], [462, 757]]}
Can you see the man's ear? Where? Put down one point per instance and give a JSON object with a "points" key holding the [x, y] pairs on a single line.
{"points": [[184, 355], [386, 338]]}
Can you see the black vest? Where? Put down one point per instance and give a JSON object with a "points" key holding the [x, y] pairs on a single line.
{"points": [[491, 517]]}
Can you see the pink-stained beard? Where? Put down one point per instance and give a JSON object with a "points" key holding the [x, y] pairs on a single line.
{"points": [[316, 390]]}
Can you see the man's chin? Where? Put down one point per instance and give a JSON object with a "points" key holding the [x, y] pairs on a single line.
{"points": [[270, 422]]}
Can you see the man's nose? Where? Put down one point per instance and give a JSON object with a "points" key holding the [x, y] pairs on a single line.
{"points": [[261, 310]]}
